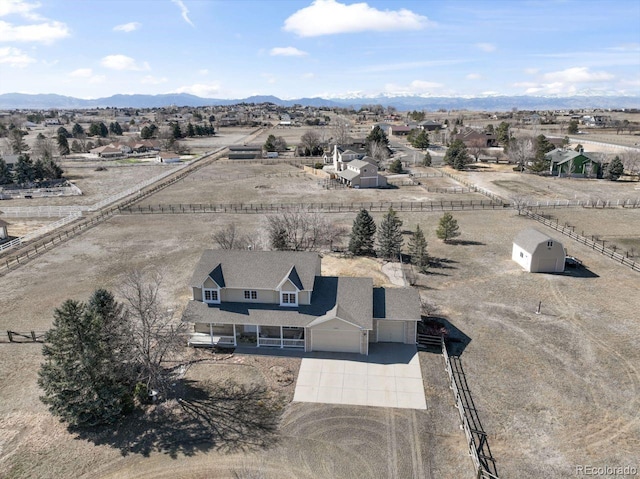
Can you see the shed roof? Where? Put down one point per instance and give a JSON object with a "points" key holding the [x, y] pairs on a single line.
{"points": [[348, 174], [530, 238]]}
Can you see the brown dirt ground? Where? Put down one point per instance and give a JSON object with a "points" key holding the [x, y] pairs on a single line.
{"points": [[553, 390]]}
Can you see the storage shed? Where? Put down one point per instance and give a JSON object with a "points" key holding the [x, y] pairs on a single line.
{"points": [[537, 252]]}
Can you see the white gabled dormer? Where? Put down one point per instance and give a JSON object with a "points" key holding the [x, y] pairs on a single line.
{"points": [[210, 292], [289, 288]]}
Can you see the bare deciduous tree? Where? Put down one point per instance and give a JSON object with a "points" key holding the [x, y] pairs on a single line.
{"points": [[155, 333], [476, 147], [379, 152], [521, 150], [230, 238], [310, 141], [341, 131], [301, 231]]}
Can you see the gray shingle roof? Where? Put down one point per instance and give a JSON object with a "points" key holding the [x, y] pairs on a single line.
{"points": [[530, 238], [396, 303], [255, 269], [351, 298], [348, 174], [359, 163]]}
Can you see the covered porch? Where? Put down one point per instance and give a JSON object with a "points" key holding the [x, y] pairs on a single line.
{"points": [[281, 336], [211, 334]]}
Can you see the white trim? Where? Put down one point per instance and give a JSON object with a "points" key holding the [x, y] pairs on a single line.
{"points": [[212, 290], [288, 304]]}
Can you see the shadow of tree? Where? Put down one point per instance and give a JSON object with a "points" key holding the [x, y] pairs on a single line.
{"points": [[440, 263], [458, 242], [200, 417]]}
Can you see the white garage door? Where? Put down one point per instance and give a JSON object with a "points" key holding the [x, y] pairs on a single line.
{"points": [[391, 331], [547, 265], [337, 341]]}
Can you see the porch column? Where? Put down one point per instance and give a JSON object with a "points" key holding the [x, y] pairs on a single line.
{"points": [[234, 335], [211, 333], [258, 336], [281, 338]]}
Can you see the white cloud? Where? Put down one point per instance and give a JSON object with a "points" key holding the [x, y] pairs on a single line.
{"points": [[269, 77], [123, 62], [151, 80], [416, 87], [204, 90], [526, 84], [97, 79], [46, 32], [486, 47], [287, 52], [81, 73], [127, 27], [15, 57], [531, 71], [184, 11], [203, 71], [308, 76], [328, 17], [388, 67], [577, 75], [19, 7], [473, 76]]}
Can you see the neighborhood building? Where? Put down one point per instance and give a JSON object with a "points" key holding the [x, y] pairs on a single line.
{"points": [[167, 157], [473, 138], [538, 253], [573, 163], [245, 152], [3, 230], [280, 299], [361, 174]]}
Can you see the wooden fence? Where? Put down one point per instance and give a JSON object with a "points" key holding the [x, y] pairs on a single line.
{"points": [[261, 208], [483, 461], [591, 243], [25, 336]]}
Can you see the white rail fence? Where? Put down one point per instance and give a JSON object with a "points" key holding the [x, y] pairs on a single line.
{"points": [[41, 231]]}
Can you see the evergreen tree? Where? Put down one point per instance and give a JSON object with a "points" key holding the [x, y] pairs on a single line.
{"points": [[418, 250], [84, 376], [502, 133], [103, 130], [362, 233], [94, 130], [63, 131], [615, 169], [390, 235], [279, 239], [63, 145], [421, 140], [176, 132], [191, 132], [39, 170], [572, 129], [5, 173], [77, 131], [115, 128], [270, 144], [457, 155], [395, 166], [447, 228], [23, 170], [378, 137], [426, 161], [16, 140], [146, 133], [52, 170]]}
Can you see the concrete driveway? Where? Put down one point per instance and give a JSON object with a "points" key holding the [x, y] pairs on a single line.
{"points": [[389, 377]]}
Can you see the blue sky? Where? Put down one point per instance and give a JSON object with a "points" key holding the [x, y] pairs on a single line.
{"points": [[330, 48]]}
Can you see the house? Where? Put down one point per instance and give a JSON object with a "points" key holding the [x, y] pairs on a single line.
{"points": [[473, 138], [538, 253], [280, 299], [342, 155], [573, 163], [245, 152], [361, 174], [10, 160], [106, 151], [3, 230], [399, 130], [430, 125], [167, 157]]}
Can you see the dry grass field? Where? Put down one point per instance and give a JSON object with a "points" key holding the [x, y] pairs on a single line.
{"points": [[554, 390]]}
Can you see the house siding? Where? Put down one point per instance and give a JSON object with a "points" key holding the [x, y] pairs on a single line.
{"points": [[197, 294], [233, 295], [410, 332], [304, 297]]}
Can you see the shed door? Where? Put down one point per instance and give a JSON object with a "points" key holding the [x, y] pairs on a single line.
{"points": [[390, 331], [547, 265], [337, 341]]}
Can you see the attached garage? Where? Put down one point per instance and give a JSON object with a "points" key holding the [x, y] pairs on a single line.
{"points": [[391, 331], [335, 340]]}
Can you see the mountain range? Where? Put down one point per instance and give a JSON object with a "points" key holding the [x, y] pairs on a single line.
{"points": [[11, 101]]}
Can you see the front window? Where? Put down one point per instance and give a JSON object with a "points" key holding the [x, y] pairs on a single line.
{"points": [[250, 294], [288, 299], [211, 296]]}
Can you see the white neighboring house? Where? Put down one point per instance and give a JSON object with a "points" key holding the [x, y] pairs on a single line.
{"points": [[361, 174], [538, 253], [167, 157], [3, 230]]}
